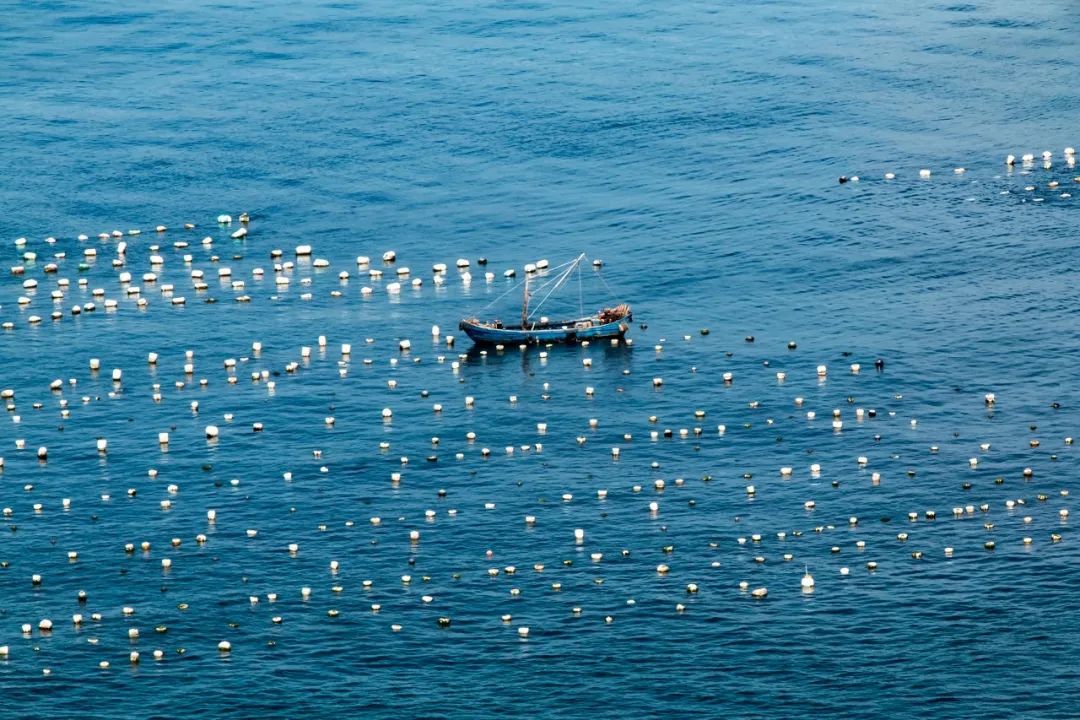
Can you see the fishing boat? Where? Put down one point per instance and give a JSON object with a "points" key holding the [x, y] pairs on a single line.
{"points": [[608, 322]]}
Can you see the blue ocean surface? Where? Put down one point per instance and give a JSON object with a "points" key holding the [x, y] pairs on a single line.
{"points": [[379, 531]]}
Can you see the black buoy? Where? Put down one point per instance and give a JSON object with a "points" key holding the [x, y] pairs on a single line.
{"points": [[749, 338], [879, 364], [842, 179]]}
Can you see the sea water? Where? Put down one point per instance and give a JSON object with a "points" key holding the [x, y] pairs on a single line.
{"points": [[695, 149]]}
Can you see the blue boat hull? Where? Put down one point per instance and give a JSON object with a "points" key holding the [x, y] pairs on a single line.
{"points": [[568, 332]]}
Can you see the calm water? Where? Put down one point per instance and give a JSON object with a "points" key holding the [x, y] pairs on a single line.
{"points": [[695, 148]]}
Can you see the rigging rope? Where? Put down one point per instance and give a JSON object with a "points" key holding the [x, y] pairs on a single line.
{"points": [[580, 295], [558, 281], [611, 293], [513, 287], [535, 289], [557, 277]]}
